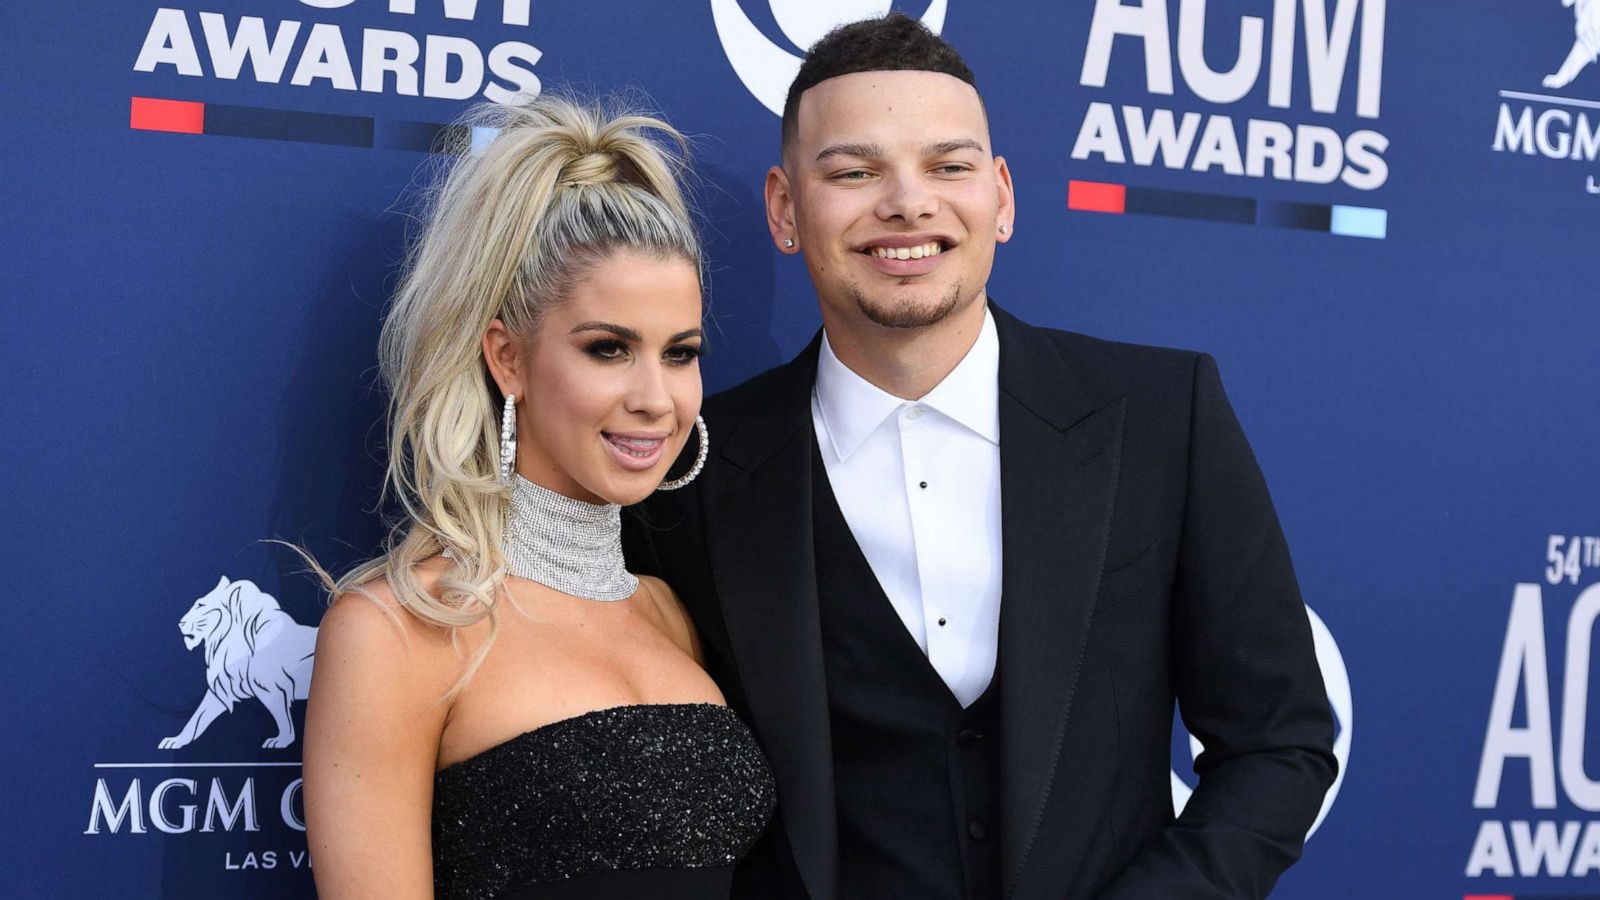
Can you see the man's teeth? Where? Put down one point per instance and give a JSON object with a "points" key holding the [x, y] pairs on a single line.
{"points": [[932, 248]]}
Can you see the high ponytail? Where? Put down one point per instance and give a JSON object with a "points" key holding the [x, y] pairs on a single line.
{"points": [[509, 230]]}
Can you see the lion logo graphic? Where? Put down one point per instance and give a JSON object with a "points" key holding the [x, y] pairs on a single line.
{"points": [[1585, 48], [768, 69], [253, 649]]}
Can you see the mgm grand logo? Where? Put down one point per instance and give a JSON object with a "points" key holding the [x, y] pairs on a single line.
{"points": [[1559, 126], [253, 650]]}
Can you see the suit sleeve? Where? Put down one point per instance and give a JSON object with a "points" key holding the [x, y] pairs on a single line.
{"points": [[639, 544], [1246, 677]]}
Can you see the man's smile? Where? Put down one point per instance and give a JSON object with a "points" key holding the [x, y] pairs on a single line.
{"points": [[905, 254]]}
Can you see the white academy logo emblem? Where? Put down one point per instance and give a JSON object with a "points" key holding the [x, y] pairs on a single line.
{"points": [[1337, 680], [1585, 48], [253, 649], [766, 69]]}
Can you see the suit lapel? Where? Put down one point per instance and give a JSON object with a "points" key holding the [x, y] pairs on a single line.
{"points": [[1059, 459], [762, 560]]}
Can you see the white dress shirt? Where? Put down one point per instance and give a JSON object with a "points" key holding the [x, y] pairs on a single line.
{"points": [[919, 485]]}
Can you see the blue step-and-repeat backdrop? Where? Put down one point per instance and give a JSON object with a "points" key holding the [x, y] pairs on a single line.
{"points": [[1382, 218]]}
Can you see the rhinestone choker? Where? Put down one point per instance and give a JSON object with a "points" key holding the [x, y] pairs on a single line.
{"points": [[566, 544]]}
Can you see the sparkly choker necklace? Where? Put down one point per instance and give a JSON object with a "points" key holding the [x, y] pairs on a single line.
{"points": [[572, 546]]}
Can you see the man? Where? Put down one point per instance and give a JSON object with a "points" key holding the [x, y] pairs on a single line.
{"points": [[956, 569]]}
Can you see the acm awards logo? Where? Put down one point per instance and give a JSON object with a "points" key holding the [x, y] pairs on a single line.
{"points": [[764, 66], [1337, 53], [254, 653], [319, 54], [1559, 126], [1336, 678]]}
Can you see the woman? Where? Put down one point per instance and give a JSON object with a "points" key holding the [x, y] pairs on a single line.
{"points": [[499, 708]]}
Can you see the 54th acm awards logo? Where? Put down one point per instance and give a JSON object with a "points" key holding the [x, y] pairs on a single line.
{"points": [[1556, 126], [767, 68], [1541, 842], [255, 653]]}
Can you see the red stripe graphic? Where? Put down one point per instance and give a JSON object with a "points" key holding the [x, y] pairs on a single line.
{"points": [[1097, 196], [1488, 897], [181, 116]]}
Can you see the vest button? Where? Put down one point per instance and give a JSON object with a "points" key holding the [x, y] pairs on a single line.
{"points": [[976, 830], [967, 737]]}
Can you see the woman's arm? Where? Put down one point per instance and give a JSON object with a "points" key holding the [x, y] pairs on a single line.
{"points": [[373, 722]]}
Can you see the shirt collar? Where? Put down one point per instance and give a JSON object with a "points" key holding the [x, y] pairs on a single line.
{"points": [[970, 394], [853, 407]]}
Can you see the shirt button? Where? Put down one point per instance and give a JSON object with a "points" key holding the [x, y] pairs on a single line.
{"points": [[922, 484], [967, 737], [941, 621], [976, 830], [914, 412]]}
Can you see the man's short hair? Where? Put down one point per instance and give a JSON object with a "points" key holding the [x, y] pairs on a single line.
{"points": [[894, 43]]}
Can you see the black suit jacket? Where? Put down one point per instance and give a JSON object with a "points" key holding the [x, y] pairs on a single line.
{"points": [[1143, 564]]}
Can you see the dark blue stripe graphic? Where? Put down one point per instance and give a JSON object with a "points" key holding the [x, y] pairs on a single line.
{"points": [[421, 137], [1284, 214], [288, 125], [1350, 221], [1187, 205]]}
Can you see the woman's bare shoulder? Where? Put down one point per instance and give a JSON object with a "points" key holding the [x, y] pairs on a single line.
{"points": [[372, 619]]}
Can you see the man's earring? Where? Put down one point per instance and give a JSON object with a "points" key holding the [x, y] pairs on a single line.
{"points": [[1005, 229], [789, 243]]}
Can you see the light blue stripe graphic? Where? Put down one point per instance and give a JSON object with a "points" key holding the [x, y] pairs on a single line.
{"points": [[481, 136], [1359, 221]]}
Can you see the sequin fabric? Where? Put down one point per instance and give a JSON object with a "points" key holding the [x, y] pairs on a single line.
{"points": [[633, 787]]}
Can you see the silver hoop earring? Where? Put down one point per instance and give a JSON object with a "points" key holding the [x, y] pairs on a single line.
{"points": [[789, 242], [699, 458], [508, 438]]}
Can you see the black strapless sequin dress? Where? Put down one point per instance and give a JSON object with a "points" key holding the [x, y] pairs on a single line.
{"points": [[644, 801]]}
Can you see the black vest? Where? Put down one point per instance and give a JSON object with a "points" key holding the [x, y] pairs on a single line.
{"points": [[917, 777]]}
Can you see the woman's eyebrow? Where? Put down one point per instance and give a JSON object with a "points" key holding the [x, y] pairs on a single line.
{"points": [[627, 334]]}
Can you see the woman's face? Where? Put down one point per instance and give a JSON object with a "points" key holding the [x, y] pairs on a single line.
{"points": [[608, 386]]}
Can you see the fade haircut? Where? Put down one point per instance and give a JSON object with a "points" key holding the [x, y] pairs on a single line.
{"points": [[894, 43]]}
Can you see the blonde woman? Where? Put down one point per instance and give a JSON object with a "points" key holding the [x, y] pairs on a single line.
{"points": [[500, 709]]}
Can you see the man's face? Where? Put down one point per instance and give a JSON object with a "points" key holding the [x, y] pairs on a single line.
{"points": [[890, 190]]}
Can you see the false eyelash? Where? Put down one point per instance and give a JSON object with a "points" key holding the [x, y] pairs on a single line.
{"points": [[598, 350]]}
